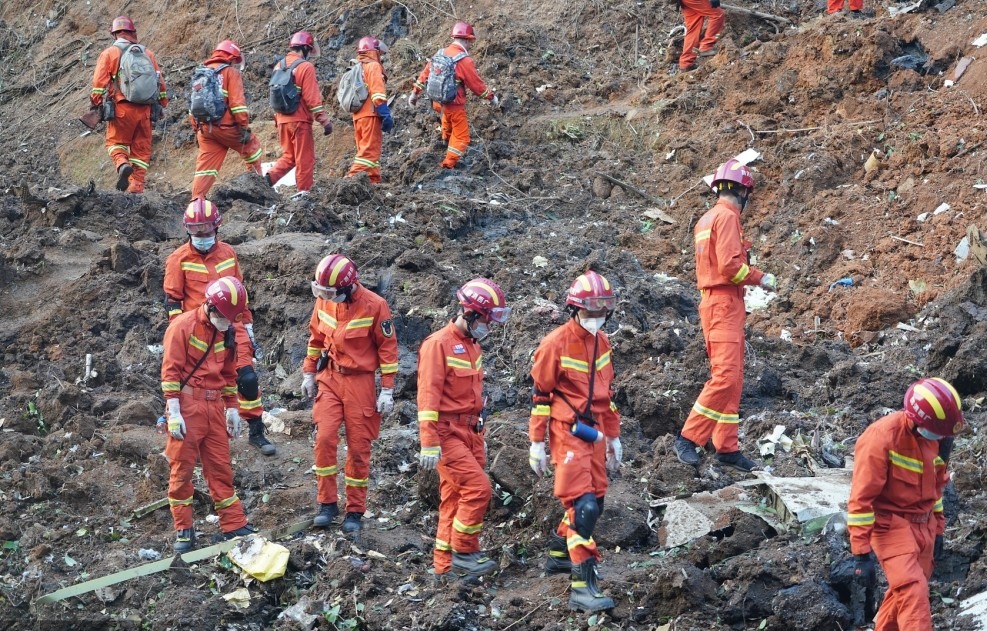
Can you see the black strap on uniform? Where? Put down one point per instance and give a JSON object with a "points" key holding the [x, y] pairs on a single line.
{"points": [[201, 360], [586, 415]]}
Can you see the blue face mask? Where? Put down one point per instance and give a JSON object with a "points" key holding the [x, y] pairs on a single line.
{"points": [[203, 244], [924, 433]]}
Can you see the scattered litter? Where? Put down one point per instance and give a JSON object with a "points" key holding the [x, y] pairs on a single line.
{"points": [[922, 217], [873, 162], [757, 298], [274, 424], [656, 213], [962, 251], [786, 335], [804, 499], [961, 67], [297, 613], [906, 8], [148, 555], [980, 41], [69, 561], [539, 261], [982, 187], [543, 87], [829, 221], [212, 519], [683, 524], [106, 594], [977, 244], [849, 254], [155, 349], [260, 558], [670, 154], [239, 598], [917, 286], [907, 327], [663, 279], [941, 208], [843, 282], [767, 444], [909, 62], [397, 219], [945, 5]]}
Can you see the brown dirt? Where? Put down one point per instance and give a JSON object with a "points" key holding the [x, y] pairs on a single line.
{"points": [[587, 88]]}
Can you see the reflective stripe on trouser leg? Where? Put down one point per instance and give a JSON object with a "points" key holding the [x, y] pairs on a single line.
{"points": [[906, 603], [249, 408], [369, 138], [327, 414], [214, 452], [459, 129], [466, 491], [362, 424], [580, 468]]}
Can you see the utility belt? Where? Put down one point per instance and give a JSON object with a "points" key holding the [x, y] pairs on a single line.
{"points": [[919, 518], [727, 290], [325, 361], [474, 421], [202, 394]]}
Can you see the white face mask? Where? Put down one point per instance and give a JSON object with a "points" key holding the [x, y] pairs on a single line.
{"points": [[479, 330], [203, 244], [593, 325], [338, 298], [924, 433], [221, 323]]}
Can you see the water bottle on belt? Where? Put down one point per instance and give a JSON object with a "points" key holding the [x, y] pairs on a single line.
{"points": [[162, 425]]}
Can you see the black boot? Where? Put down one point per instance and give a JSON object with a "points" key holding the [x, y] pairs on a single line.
{"points": [[123, 176], [558, 561], [257, 438], [585, 594], [685, 450], [184, 540], [472, 563], [327, 513], [352, 523], [242, 531]]}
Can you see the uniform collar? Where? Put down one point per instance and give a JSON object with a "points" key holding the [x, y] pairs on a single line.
{"points": [[735, 207], [459, 334], [578, 329]]}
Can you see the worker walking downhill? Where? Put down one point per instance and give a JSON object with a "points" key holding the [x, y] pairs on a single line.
{"points": [[219, 115], [130, 88], [722, 272], [450, 426], [445, 80], [351, 337], [696, 44], [572, 400], [895, 507], [197, 378], [294, 114], [192, 268], [373, 119]]}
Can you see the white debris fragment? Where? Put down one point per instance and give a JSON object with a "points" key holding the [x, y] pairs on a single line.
{"points": [[941, 208]]}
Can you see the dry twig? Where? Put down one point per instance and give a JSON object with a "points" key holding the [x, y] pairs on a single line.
{"points": [[632, 189]]}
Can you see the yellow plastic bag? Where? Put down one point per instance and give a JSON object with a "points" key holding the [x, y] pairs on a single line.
{"points": [[260, 558]]}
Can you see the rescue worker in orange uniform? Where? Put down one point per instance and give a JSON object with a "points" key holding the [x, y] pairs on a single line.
{"points": [[232, 131], [895, 507], [128, 133], [697, 44], [571, 400], [455, 125], [450, 426], [374, 118], [351, 337], [722, 272], [189, 270], [295, 130], [856, 7], [198, 375]]}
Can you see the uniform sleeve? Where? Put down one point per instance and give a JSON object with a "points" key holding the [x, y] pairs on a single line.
{"points": [[610, 418], [422, 78], [173, 360], [870, 473], [466, 71], [248, 316], [431, 379], [229, 380], [235, 98], [174, 286], [316, 341], [311, 97], [544, 374], [106, 66], [162, 88], [387, 346], [730, 254], [942, 479], [373, 74]]}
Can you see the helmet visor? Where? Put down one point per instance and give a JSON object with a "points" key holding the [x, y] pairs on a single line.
{"points": [[326, 293], [200, 229], [500, 314], [599, 303]]}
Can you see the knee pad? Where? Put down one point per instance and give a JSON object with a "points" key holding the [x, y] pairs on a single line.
{"points": [[587, 512], [246, 383]]}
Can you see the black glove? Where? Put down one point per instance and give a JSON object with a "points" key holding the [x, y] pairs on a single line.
{"points": [[714, 3], [327, 128], [245, 135], [157, 112], [937, 548], [865, 570]]}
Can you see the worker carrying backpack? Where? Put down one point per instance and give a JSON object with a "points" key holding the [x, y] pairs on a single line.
{"points": [[206, 103], [441, 85], [353, 91], [285, 95], [136, 78]]}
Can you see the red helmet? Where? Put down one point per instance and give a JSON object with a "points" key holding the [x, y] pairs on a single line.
{"points": [[228, 296], [201, 216], [732, 172], [592, 292], [463, 30], [483, 296], [933, 404], [334, 273], [371, 43], [229, 47], [122, 23], [302, 38]]}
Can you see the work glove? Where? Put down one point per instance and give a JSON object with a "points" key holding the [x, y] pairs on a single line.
{"points": [[537, 459], [232, 422], [385, 401], [327, 128], [176, 424], [387, 121], [937, 548], [864, 569], [769, 282], [413, 99], [258, 351], [714, 4], [615, 454], [495, 101], [308, 385], [245, 135], [429, 457]]}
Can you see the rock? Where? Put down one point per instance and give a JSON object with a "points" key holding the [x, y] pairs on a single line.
{"points": [[811, 605], [134, 445], [509, 468], [139, 410], [602, 187], [123, 258], [624, 521]]}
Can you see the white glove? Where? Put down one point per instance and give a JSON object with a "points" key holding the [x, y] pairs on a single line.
{"points": [[537, 459], [385, 401], [176, 424], [615, 453], [258, 351], [308, 385], [413, 99], [232, 422], [769, 282], [495, 101], [429, 457]]}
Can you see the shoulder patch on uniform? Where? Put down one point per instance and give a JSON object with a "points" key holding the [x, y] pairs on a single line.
{"points": [[387, 328], [458, 349]]}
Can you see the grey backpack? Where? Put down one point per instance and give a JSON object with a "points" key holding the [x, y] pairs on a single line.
{"points": [[441, 85], [206, 103], [285, 95], [353, 91], [136, 79]]}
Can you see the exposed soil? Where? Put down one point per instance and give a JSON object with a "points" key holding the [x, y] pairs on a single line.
{"points": [[588, 88]]}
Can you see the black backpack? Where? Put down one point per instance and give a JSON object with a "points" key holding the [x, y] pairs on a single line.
{"points": [[206, 101], [441, 85], [285, 95]]}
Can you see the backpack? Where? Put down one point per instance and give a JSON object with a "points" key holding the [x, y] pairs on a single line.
{"points": [[136, 78], [206, 103], [441, 85], [285, 95], [352, 92]]}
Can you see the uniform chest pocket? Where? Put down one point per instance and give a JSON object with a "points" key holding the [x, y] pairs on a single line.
{"points": [[357, 332], [907, 472], [470, 374], [577, 376]]}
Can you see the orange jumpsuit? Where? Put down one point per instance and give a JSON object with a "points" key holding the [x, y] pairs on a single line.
{"points": [[895, 509], [695, 12], [295, 130], [187, 275], [721, 272], [835, 6], [455, 125], [209, 391], [128, 135], [366, 123], [216, 139], [450, 399], [358, 336], [561, 373]]}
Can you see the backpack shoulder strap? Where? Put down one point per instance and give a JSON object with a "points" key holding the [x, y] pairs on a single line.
{"points": [[218, 69], [460, 56], [296, 63]]}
